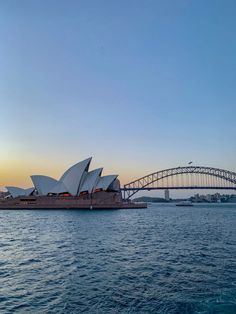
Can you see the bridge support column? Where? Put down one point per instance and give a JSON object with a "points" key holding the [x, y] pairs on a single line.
{"points": [[124, 196]]}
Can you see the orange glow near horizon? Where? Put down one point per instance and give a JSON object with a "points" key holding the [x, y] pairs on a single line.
{"points": [[17, 165], [17, 172]]}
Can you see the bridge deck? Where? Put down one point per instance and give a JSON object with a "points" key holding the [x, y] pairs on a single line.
{"points": [[183, 178]]}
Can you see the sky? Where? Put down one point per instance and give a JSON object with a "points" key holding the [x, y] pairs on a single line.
{"points": [[140, 85]]}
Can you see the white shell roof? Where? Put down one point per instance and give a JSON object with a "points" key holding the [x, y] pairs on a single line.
{"points": [[29, 191], [43, 184], [72, 177], [75, 180], [59, 188], [15, 191], [91, 180], [105, 181], [115, 186]]}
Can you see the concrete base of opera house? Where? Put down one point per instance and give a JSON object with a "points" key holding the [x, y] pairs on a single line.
{"points": [[100, 200]]}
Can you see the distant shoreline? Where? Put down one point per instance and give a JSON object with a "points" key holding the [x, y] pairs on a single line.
{"points": [[224, 200]]}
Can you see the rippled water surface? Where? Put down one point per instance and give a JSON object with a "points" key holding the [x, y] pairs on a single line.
{"points": [[162, 259]]}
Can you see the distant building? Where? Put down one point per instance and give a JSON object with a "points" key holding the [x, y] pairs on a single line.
{"points": [[214, 198], [167, 195]]}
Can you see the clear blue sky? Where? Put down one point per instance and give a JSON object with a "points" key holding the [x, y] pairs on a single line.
{"points": [[139, 85]]}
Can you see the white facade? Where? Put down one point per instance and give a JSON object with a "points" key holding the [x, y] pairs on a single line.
{"points": [[59, 188], [72, 177], [90, 181], [75, 180], [115, 185], [15, 191], [105, 182], [43, 184]]}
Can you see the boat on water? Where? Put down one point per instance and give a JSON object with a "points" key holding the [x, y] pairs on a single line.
{"points": [[184, 203]]}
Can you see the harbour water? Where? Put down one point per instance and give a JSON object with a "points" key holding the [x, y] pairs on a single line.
{"points": [[163, 259]]}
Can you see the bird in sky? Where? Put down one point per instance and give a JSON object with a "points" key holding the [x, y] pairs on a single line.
{"points": [[190, 163]]}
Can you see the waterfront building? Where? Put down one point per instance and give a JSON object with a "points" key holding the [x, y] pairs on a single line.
{"points": [[78, 187], [75, 181], [167, 195]]}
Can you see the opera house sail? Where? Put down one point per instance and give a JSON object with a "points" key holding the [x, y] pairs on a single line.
{"points": [[78, 187], [43, 184]]}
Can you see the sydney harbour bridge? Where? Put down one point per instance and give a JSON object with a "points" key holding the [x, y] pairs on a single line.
{"points": [[189, 177]]}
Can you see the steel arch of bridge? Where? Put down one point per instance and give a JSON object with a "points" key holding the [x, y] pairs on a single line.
{"points": [[146, 182]]}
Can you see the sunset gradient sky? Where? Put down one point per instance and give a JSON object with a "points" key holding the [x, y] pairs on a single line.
{"points": [[139, 85]]}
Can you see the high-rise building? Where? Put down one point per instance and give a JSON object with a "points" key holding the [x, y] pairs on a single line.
{"points": [[167, 195]]}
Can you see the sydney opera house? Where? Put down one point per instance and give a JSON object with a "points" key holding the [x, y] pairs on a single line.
{"points": [[78, 187]]}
